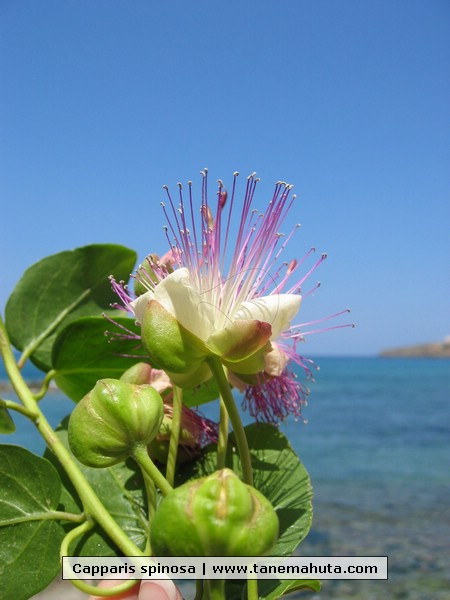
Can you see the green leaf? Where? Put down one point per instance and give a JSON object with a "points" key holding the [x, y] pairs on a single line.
{"points": [[278, 474], [6, 422], [30, 490], [83, 354], [270, 589], [206, 392], [59, 289], [120, 488]]}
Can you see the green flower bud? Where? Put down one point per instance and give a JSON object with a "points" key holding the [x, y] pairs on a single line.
{"points": [[112, 419], [218, 515], [147, 272], [143, 373], [139, 374]]}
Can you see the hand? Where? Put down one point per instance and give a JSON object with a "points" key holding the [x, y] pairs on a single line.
{"points": [[144, 590]]}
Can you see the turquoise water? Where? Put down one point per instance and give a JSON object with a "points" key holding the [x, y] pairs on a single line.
{"points": [[377, 447]]}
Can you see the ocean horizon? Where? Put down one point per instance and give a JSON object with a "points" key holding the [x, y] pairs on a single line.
{"points": [[377, 447]]}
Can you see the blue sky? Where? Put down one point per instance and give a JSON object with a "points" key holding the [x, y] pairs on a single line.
{"points": [[103, 102]]}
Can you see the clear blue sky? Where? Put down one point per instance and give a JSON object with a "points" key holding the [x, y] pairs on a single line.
{"points": [[103, 102]]}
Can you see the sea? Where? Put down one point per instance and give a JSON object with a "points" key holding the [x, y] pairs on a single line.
{"points": [[377, 447]]}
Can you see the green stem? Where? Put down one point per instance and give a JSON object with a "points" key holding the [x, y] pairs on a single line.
{"points": [[45, 384], [252, 589], [198, 589], [222, 442], [216, 589], [11, 405], [91, 503], [142, 458], [73, 534], [150, 491], [81, 585], [177, 404], [244, 453]]}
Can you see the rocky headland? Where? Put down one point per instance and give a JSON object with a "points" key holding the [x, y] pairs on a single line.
{"points": [[430, 350]]}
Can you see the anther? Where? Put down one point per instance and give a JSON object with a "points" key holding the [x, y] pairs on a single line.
{"points": [[291, 266], [223, 198]]}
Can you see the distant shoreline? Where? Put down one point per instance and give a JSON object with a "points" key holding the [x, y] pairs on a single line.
{"points": [[430, 350]]}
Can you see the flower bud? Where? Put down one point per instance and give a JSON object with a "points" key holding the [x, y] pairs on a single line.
{"points": [[218, 515], [152, 271], [139, 374], [143, 373], [112, 419]]}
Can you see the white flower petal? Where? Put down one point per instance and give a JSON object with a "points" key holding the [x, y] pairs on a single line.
{"points": [[138, 305], [183, 301], [275, 361], [277, 309]]}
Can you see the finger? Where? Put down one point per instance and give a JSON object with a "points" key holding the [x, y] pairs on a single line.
{"points": [[131, 594], [162, 590]]}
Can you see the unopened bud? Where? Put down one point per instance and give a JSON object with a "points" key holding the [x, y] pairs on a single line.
{"points": [[218, 515], [114, 417]]}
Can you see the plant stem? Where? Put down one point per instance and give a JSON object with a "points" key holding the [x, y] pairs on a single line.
{"points": [[142, 458], [92, 505], [198, 589], [45, 384], [216, 589], [222, 442], [150, 490], [244, 453], [177, 403], [252, 589], [81, 585], [11, 405]]}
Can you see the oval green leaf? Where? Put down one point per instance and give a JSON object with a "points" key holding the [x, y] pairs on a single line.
{"points": [[83, 354], [273, 590], [30, 490], [60, 289], [6, 423]]}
